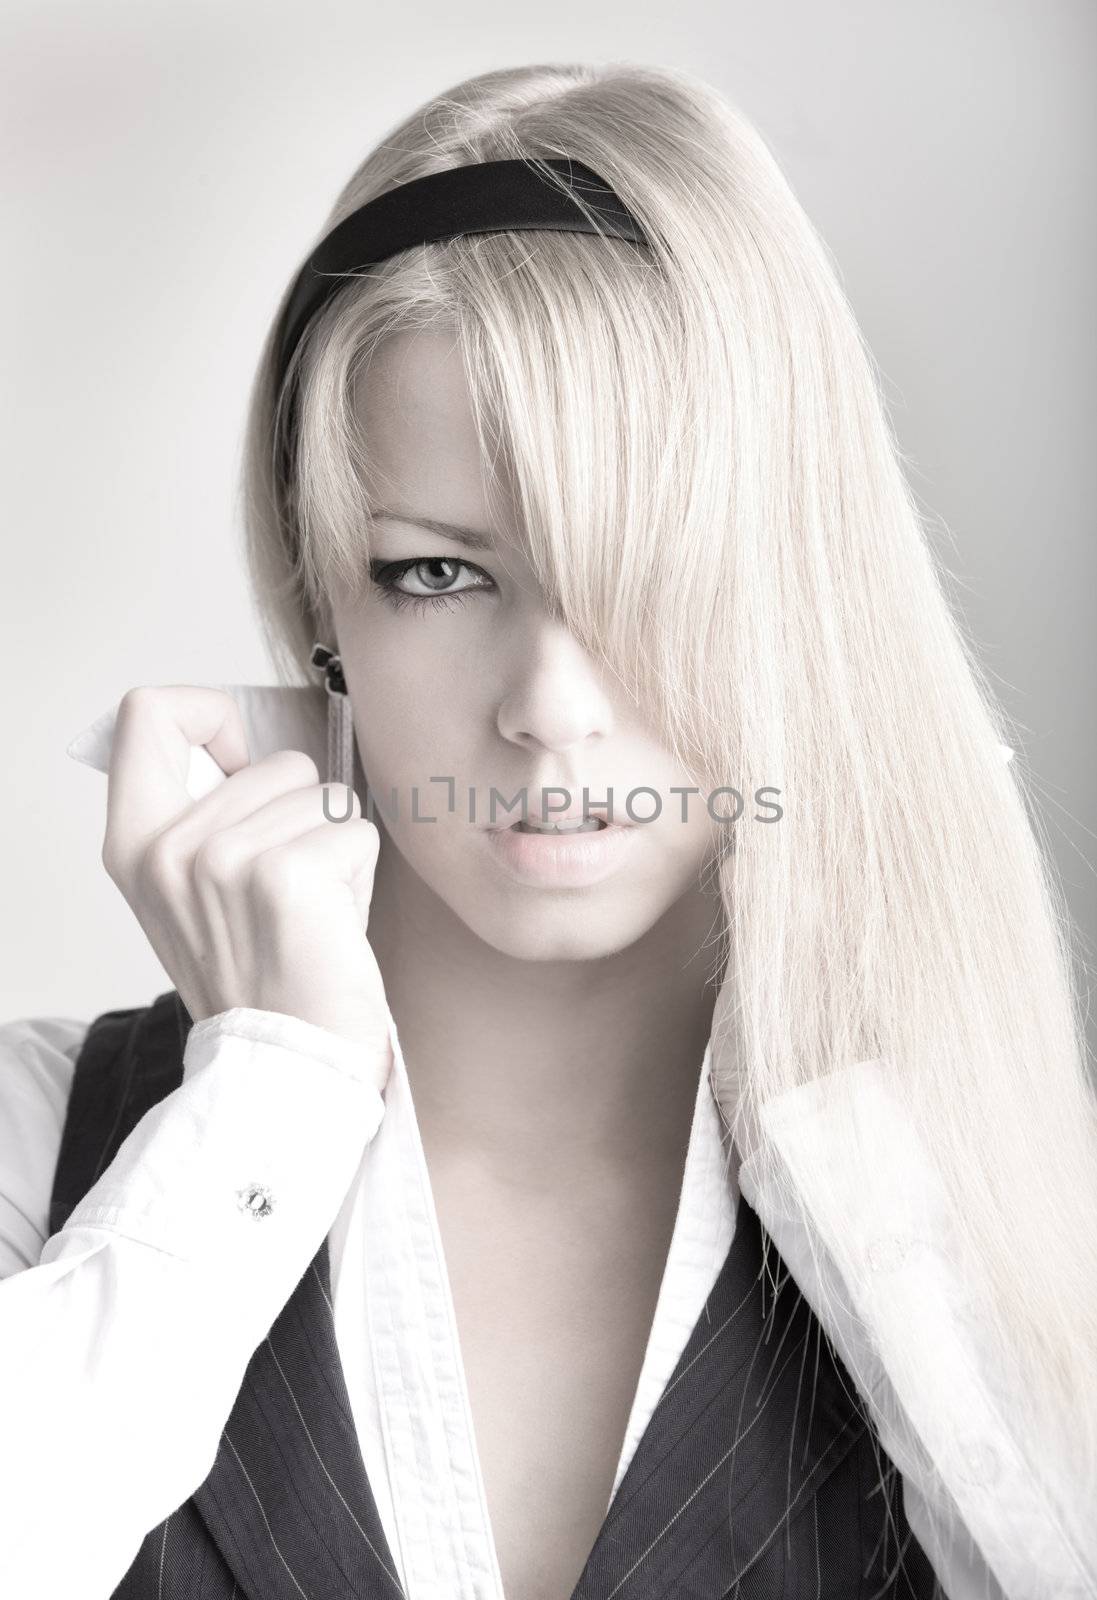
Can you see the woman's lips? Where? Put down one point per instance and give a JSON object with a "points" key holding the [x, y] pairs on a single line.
{"points": [[562, 860]]}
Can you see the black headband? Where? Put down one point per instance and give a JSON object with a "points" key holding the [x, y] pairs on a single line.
{"points": [[485, 197]]}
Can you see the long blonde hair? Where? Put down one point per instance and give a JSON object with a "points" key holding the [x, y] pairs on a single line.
{"points": [[713, 500]]}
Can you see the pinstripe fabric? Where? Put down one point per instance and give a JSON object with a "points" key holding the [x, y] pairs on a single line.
{"points": [[758, 1476], [128, 1062], [723, 1495]]}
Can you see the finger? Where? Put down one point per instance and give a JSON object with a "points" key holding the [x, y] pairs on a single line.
{"points": [[226, 851], [245, 796], [150, 757], [347, 851]]}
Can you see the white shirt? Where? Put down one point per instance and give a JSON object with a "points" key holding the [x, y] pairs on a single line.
{"points": [[159, 1270]]}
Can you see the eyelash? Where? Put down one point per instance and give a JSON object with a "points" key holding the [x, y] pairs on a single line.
{"points": [[386, 573]]}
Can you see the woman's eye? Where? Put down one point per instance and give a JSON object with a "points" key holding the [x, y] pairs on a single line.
{"points": [[429, 580]]}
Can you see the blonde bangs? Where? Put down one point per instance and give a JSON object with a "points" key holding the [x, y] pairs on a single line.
{"points": [[582, 385]]}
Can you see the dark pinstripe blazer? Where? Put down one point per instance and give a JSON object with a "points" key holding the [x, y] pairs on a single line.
{"points": [[759, 1476]]}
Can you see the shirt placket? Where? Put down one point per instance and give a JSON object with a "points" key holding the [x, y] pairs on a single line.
{"points": [[439, 1504]]}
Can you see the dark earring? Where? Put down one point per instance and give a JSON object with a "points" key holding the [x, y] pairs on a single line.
{"points": [[340, 720]]}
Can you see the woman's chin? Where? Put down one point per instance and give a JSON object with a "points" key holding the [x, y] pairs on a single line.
{"points": [[526, 921], [555, 926]]}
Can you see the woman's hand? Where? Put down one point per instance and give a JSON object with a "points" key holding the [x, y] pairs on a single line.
{"points": [[250, 896]]}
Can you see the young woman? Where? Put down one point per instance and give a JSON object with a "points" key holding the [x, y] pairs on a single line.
{"points": [[680, 1185]]}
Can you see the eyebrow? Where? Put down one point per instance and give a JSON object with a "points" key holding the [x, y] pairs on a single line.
{"points": [[446, 530]]}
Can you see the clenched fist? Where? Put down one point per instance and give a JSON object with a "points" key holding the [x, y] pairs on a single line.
{"points": [[249, 896]]}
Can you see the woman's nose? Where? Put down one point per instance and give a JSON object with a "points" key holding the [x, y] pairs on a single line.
{"points": [[554, 695]]}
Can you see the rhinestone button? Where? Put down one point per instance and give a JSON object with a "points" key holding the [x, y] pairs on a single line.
{"points": [[255, 1198]]}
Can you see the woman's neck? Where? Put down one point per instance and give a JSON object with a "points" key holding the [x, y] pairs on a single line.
{"points": [[545, 1071]]}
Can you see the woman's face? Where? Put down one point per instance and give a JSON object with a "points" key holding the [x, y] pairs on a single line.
{"points": [[461, 682]]}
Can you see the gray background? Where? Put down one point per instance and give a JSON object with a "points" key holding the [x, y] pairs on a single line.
{"points": [[163, 167]]}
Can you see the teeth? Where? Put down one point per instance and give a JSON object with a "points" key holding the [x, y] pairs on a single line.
{"points": [[591, 826]]}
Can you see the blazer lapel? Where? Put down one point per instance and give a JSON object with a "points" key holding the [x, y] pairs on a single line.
{"points": [[732, 1451], [287, 1500]]}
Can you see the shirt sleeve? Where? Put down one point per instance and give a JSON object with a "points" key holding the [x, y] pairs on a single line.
{"points": [[124, 1336]]}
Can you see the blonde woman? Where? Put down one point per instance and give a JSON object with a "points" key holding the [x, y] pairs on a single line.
{"points": [[626, 1134]]}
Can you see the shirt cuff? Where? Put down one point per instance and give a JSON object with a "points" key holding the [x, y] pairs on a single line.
{"points": [[277, 1028], [243, 1167]]}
